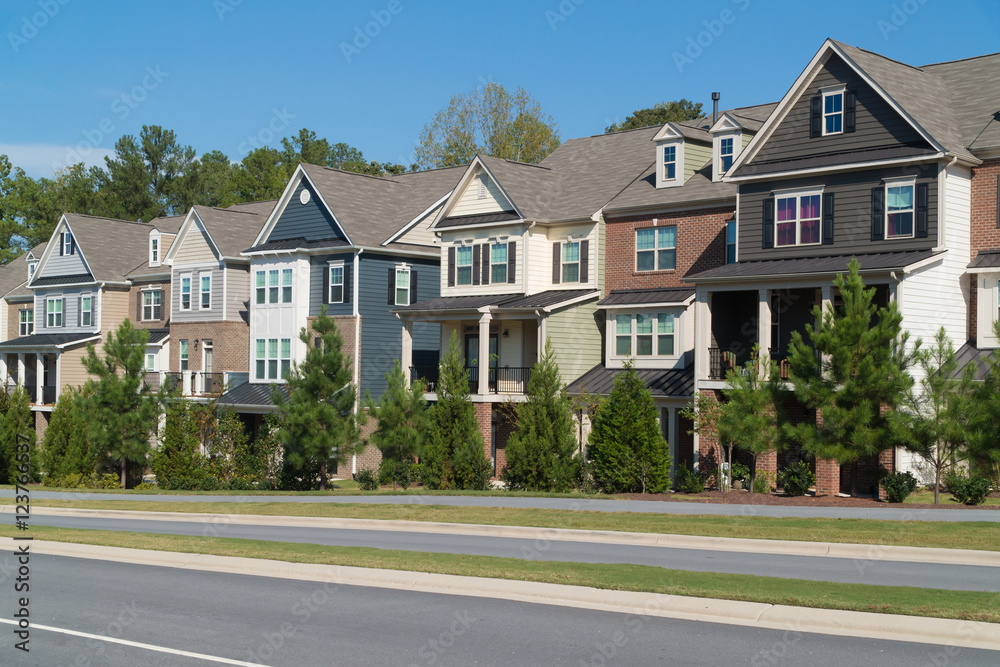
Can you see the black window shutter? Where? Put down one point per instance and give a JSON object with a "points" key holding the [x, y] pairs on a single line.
{"points": [[486, 263], [476, 264], [451, 266], [62, 243], [920, 229], [828, 218], [878, 220], [815, 116], [556, 262], [348, 273], [584, 261], [767, 229], [392, 287], [138, 313], [850, 111], [413, 287], [512, 260], [324, 286], [72, 245]]}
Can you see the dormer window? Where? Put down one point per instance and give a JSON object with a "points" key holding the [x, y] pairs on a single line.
{"points": [[726, 153], [669, 163], [66, 247], [154, 251], [31, 269], [833, 112]]}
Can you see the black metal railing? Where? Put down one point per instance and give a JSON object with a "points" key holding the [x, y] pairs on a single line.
{"points": [[48, 395], [427, 374], [172, 381], [213, 383], [511, 380]]}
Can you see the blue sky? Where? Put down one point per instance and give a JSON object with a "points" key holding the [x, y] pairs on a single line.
{"points": [[230, 74]]}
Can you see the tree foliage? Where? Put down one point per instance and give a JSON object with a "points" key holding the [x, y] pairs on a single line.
{"points": [[319, 425], [178, 459], [984, 436], [66, 449], [626, 448], [490, 121], [541, 453], [658, 114], [402, 417], [17, 425], [452, 455]]}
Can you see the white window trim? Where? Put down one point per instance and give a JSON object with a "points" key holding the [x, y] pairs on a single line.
{"points": [[502, 241], [737, 137], [180, 354], [282, 359], [736, 241], [257, 359], [201, 277], [150, 368], [180, 291], [262, 272], [655, 249], [563, 263], [335, 264], [87, 295], [61, 313], [900, 181], [158, 259], [634, 334], [67, 243], [828, 92], [291, 285], [23, 324], [152, 306], [276, 286], [678, 179], [470, 265], [798, 193], [395, 284], [31, 269]]}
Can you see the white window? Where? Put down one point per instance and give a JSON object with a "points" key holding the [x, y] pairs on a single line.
{"points": [[336, 284], [286, 286], [645, 335], [260, 358], [186, 292], [154, 251], [669, 163], [498, 263], [27, 323], [571, 262], [726, 153], [899, 210], [184, 355], [86, 311], [665, 334], [656, 249], [272, 286], [54, 312], [150, 362], [833, 112], [260, 284], [206, 291], [31, 269], [463, 260], [623, 335], [402, 286], [286, 357], [67, 243], [152, 305], [797, 219], [272, 358]]}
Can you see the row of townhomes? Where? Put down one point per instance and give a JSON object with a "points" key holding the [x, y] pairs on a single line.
{"points": [[678, 247]]}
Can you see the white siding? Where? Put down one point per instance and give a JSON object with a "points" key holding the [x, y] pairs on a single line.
{"points": [[281, 320], [470, 203], [477, 237]]}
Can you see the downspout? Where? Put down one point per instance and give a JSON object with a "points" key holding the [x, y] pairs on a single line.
{"points": [[357, 343], [942, 183]]}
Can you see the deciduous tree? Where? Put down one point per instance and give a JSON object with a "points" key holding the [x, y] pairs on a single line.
{"points": [[658, 114]]}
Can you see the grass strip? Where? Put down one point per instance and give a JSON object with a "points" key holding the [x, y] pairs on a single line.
{"points": [[963, 605], [940, 534]]}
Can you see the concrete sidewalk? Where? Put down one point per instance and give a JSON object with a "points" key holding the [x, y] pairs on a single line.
{"points": [[860, 552], [791, 619]]}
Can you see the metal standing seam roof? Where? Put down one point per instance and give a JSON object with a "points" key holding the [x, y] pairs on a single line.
{"points": [[663, 383], [462, 220], [980, 359], [63, 280], [986, 259], [547, 299], [157, 336], [627, 297], [47, 340], [252, 394], [885, 261], [854, 157]]}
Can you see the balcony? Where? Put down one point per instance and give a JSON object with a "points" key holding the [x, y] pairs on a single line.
{"points": [[48, 393], [720, 362], [197, 383], [501, 380]]}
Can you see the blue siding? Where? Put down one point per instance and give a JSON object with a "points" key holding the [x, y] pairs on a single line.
{"points": [[318, 265], [310, 220], [381, 330]]}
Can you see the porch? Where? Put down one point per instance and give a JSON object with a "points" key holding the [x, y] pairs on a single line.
{"points": [[197, 383], [36, 372]]}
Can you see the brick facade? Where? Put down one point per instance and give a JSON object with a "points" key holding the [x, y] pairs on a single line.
{"points": [[347, 329], [484, 416], [371, 456], [230, 340], [701, 245], [134, 299], [984, 228]]}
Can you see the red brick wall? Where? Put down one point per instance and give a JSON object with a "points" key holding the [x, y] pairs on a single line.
{"points": [[229, 345], [985, 235], [135, 297], [484, 415], [701, 245], [371, 456], [709, 452]]}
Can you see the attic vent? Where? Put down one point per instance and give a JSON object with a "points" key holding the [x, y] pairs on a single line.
{"points": [[304, 196], [481, 188]]}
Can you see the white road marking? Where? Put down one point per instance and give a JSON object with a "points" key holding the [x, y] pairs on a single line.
{"points": [[148, 647]]}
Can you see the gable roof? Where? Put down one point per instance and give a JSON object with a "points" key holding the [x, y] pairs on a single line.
{"points": [[14, 274]]}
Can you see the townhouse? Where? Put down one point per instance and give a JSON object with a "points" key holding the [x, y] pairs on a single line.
{"points": [[359, 246], [15, 318]]}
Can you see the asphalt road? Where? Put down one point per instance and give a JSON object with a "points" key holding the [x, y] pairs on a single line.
{"points": [[237, 619], [845, 570], [901, 513]]}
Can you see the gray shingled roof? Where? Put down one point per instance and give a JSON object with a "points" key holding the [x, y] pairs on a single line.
{"points": [[235, 228], [14, 274], [111, 247], [768, 268], [627, 297], [663, 383]]}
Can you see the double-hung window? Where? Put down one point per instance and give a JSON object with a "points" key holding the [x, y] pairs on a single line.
{"points": [[152, 305], [286, 286], [571, 262], [184, 355], [67, 243], [644, 334], [498, 263], [726, 153], [336, 284], [260, 287], [86, 311], [150, 362], [260, 358], [797, 219], [463, 262], [833, 112], [665, 334], [186, 292], [272, 286], [656, 249], [623, 335], [669, 163], [286, 357], [899, 210], [206, 291], [272, 358], [402, 287], [154, 251], [54, 312], [27, 323]]}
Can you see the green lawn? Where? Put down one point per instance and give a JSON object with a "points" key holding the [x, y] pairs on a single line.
{"points": [[946, 499], [964, 605], [951, 535]]}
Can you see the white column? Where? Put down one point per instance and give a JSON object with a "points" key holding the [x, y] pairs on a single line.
{"points": [[3, 369], [20, 369], [406, 358], [186, 383], [484, 354], [58, 380], [826, 304], [764, 325], [702, 335], [39, 378], [673, 437], [540, 341]]}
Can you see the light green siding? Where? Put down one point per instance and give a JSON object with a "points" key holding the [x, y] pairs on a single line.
{"points": [[695, 157], [576, 339]]}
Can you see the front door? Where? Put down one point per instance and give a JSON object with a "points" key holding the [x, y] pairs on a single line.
{"points": [[472, 359]]}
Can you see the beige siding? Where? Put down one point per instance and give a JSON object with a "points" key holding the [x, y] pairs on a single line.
{"points": [[576, 339], [540, 242], [71, 370], [113, 309], [195, 248], [421, 233], [695, 157], [237, 292], [470, 203], [480, 236], [166, 240]]}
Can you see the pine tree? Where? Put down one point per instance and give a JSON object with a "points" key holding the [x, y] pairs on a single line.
{"points": [[65, 447], [452, 455], [120, 408], [320, 426], [626, 448], [230, 453], [862, 375], [178, 457], [984, 435], [17, 427], [541, 451], [403, 418]]}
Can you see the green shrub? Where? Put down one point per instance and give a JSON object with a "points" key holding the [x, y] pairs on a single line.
{"points": [[796, 479], [969, 490], [898, 486], [688, 481], [241, 484], [399, 473], [763, 482], [741, 473], [145, 486], [367, 480]]}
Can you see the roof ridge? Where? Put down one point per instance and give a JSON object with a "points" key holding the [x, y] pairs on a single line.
{"points": [[883, 57], [958, 60], [611, 134], [353, 173], [227, 210], [101, 217]]}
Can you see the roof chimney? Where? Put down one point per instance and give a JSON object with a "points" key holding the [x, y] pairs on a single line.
{"points": [[715, 107]]}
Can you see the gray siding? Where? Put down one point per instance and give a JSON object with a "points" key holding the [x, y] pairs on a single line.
{"points": [[877, 123], [381, 331], [196, 314], [318, 265], [852, 214], [238, 293], [65, 265], [71, 310], [310, 221]]}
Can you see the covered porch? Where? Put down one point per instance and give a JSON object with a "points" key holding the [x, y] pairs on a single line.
{"points": [[38, 364]]}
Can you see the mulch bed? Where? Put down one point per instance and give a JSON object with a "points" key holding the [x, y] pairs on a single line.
{"points": [[746, 498]]}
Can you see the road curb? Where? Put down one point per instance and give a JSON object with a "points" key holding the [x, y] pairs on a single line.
{"points": [[860, 552], [966, 634]]}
